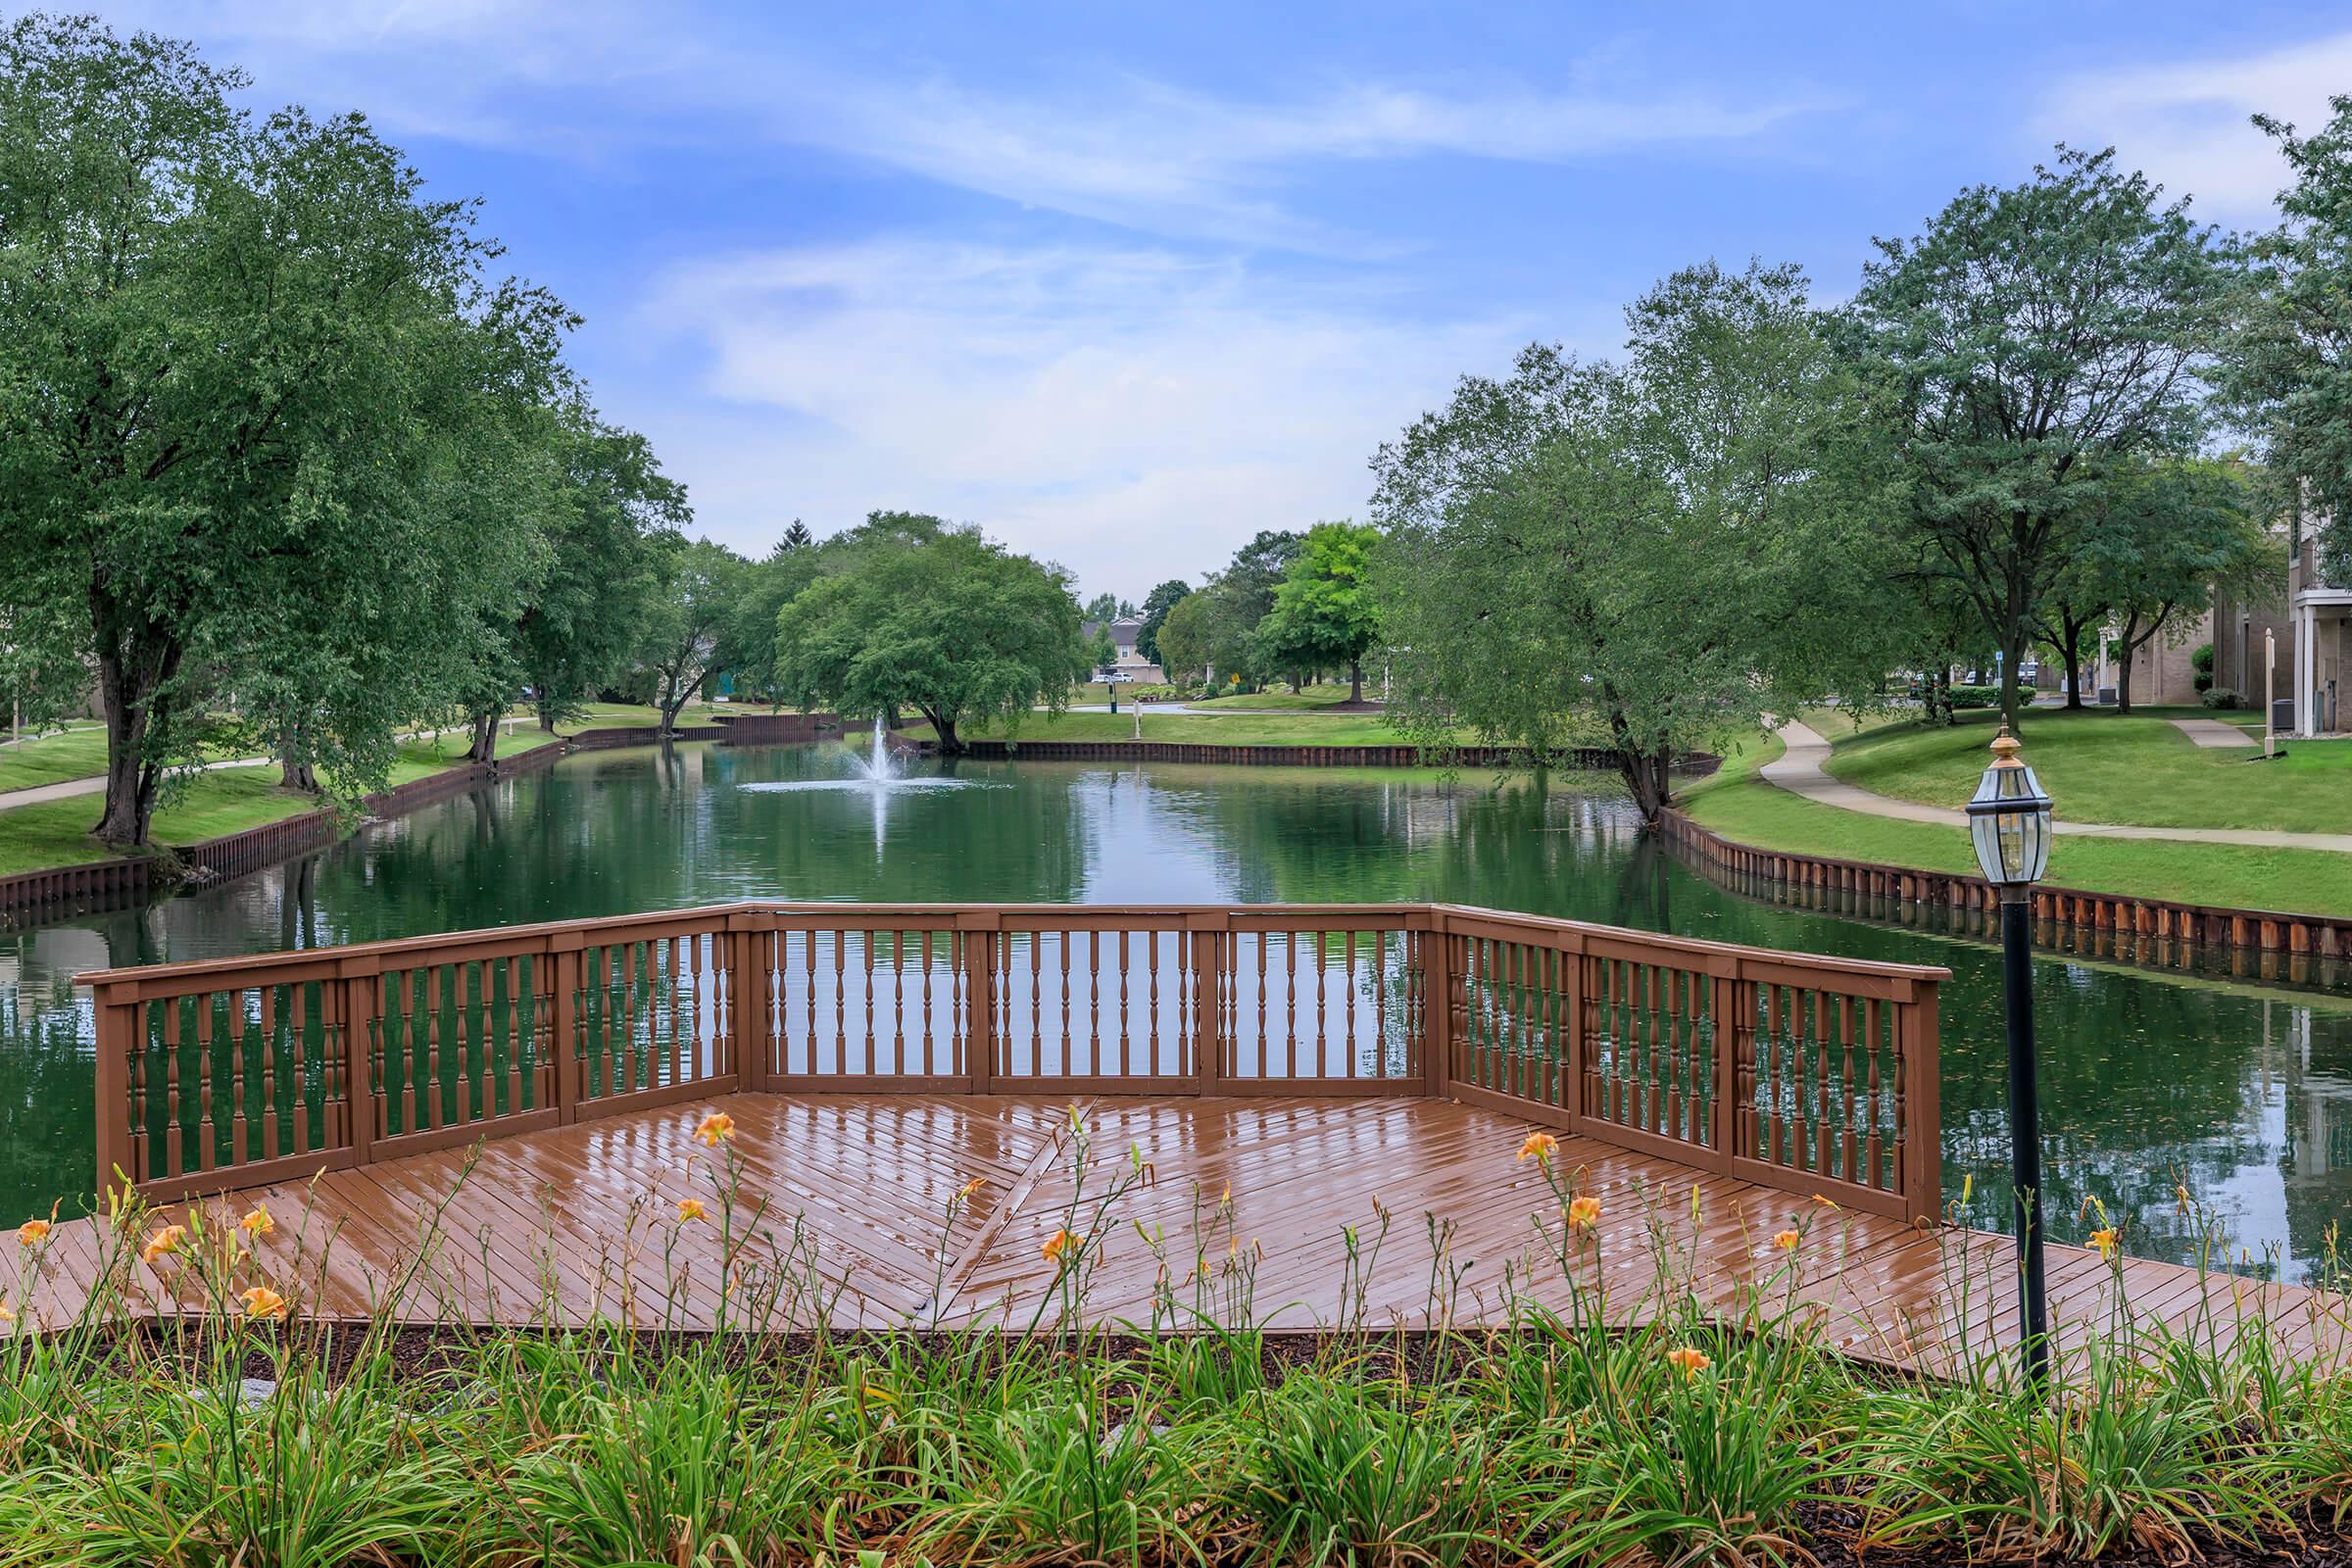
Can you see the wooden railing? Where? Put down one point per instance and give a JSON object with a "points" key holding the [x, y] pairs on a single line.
{"points": [[1810, 1073]]}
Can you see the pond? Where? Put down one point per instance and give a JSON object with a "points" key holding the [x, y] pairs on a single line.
{"points": [[2150, 1082]]}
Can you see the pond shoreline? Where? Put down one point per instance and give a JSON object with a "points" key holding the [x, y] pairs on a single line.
{"points": [[95, 886]]}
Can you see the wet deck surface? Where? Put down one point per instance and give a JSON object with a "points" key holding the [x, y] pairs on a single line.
{"points": [[845, 1206]]}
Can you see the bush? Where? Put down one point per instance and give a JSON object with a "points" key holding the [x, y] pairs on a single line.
{"points": [[2202, 663], [1975, 697], [2221, 697]]}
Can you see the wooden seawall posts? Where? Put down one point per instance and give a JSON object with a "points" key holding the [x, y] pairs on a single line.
{"points": [[1597, 757], [2184, 926], [1803, 1073]]}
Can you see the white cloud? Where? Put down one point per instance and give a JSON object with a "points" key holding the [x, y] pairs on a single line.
{"points": [[1128, 413], [2187, 123]]}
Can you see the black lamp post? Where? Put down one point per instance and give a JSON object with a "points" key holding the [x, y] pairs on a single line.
{"points": [[2009, 818]]}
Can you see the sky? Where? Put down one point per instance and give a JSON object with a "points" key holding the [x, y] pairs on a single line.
{"points": [[1124, 284]]}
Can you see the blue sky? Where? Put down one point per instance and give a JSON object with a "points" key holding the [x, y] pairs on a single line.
{"points": [[1125, 284]]}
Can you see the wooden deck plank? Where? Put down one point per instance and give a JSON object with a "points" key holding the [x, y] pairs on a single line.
{"points": [[865, 1183]]}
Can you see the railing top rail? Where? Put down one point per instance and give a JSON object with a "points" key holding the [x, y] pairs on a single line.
{"points": [[364, 958]]}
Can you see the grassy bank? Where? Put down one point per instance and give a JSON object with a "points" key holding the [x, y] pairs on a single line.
{"points": [[1721, 1432], [208, 806], [2102, 767], [1213, 729], [1740, 805]]}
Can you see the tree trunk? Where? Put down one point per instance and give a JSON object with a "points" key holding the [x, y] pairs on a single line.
{"points": [[294, 770], [484, 746], [1355, 680], [128, 691], [1649, 775], [950, 744], [547, 718], [2123, 678], [2013, 654], [2072, 657]]}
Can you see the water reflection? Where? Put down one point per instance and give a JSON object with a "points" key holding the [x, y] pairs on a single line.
{"points": [[2153, 1080]]}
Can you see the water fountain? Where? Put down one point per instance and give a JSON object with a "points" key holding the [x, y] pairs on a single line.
{"points": [[879, 771], [880, 767]]}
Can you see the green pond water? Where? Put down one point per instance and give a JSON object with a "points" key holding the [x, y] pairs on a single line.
{"points": [[2149, 1082]]}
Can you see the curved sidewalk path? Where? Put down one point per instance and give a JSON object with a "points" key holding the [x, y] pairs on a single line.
{"points": [[1801, 772], [64, 789]]}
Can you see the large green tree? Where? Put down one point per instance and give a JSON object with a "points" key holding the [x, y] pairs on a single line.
{"points": [[240, 357], [2030, 340], [691, 633], [2163, 537], [1658, 554], [2290, 368], [1324, 615], [768, 586], [1156, 605], [914, 614]]}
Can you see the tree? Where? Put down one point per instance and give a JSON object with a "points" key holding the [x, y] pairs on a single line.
{"points": [[1102, 607], [1205, 634], [2163, 537], [1324, 611], [2287, 372], [1652, 553], [919, 615], [239, 361], [2031, 336], [611, 519], [690, 633], [1157, 606], [770, 585]]}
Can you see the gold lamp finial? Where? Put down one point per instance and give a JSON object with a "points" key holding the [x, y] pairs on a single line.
{"points": [[2005, 747]]}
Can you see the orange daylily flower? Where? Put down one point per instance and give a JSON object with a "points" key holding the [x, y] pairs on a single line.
{"points": [[1787, 1240], [1538, 1148], [1584, 1213], [963, 1193], [8, 1313], [1689, 1361], [33, 1233], [166, 1239], [262, 1301], [716, 1129], [2105, 1241], [1057, 1243], [258, 1222], [689, 1209]]}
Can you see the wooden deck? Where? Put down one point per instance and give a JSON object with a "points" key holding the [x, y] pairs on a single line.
{"points": [[842, 1204]]}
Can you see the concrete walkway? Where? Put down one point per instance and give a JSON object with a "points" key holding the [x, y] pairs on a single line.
{"points": [[1801, 772], [66, 789], [2213, 734]]}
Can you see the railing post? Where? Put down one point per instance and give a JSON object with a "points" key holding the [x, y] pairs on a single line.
{"points": [[1209, 928], [118, 1030], [361, 1005], [1731, 1007], [1437, 1008], [977, 930], [748, 1020], [1922, 1126], [563, 952]]}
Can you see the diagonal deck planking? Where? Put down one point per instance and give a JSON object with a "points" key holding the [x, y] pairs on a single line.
{"points": [[855, 1191]]}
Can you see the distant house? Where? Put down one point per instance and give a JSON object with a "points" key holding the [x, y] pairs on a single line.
{"points": [[1129, 664]]}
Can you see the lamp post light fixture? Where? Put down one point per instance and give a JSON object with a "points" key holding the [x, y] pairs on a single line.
{"points": [[2009, 821]]}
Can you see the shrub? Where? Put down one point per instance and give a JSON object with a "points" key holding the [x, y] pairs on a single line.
{"points": [[2221, 697], [2201, 662], [1974, 696]]}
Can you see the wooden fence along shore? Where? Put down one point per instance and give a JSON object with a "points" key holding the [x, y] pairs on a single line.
{"points": [[111, 884], [1597, 757], [2319, 939], [1810, 1075]]}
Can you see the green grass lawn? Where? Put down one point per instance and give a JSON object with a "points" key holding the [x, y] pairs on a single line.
{"points": [[210, 804], [2106, 768], [1229, 729], [1283, 700], [77, 753], [1742, 807]]}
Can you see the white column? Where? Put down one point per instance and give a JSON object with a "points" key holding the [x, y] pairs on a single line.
{"points": [[2303, 661]]}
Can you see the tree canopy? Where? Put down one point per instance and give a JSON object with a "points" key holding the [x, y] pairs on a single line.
{"points": [[1156, 605], [1654, 554], [912, 612], [2029, 340], [1324, 613]]}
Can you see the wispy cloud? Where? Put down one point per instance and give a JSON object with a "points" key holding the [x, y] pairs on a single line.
{"points": [[1092, 141], [2190, 123], [1129, 411]]}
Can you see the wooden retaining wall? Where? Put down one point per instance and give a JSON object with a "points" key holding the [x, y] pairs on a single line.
{"points": [[113, 884], [2162, 920]]}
